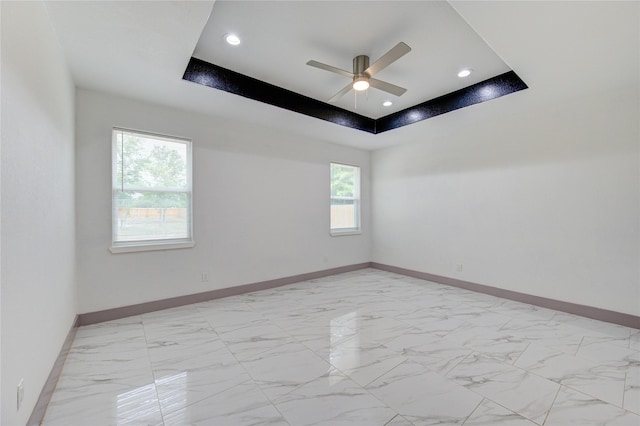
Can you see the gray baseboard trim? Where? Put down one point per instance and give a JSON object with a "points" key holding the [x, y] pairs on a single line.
{"points": [[37, 415], [619, 318], [157, 305]]}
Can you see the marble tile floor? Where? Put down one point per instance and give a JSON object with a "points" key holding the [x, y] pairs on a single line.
{"points": [[362, 348]]}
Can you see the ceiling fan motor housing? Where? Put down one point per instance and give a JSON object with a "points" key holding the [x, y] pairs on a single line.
{"points": [[360, 63]]}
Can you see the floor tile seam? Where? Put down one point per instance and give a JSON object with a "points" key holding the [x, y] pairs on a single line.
{"points": [[510, 320], [172, 336], [153, 373], [525, 371], [394, 417], [367, 392], [317, 352], [540, 374], [274, 400], [286, 332], [253, 354], [242, 327], [490, 399], [562, 383], [448, 370], [252, 379], [213, 395], [293, 389], [544, 422], [624, 392], [608, 339], [560, 386], [510, 410], [372, 380], [178, 332], [473, 411], [520, 355], [275, 407], [163, 410], [608, 364], [294, 341], [257, 385], [220, 332], [637, 413], [206, 311], [581, 392]]}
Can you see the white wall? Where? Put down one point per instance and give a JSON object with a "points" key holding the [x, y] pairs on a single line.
{"points": [[261, 206], [543, 200], [38, 240]]}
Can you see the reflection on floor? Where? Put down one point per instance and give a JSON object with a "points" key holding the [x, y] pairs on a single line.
{"points": [[362, 348]]}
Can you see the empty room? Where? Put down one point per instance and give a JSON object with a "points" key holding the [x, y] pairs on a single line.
{"points": [[316, 212]]}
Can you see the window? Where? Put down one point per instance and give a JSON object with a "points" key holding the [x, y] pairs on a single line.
{"points": [[345, 199], [151, 192]]}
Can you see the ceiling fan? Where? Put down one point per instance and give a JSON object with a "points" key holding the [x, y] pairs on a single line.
{"points": [[363, 72]]}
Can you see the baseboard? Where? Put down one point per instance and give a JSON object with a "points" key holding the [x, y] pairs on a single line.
{"points": [[174, 302], [37, 414], [558, 305], [619, 318]]}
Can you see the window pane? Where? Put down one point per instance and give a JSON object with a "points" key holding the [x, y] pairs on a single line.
{"points": [[146, 162], [151, 188], [151, 215], [343, 180], [344, 214]]}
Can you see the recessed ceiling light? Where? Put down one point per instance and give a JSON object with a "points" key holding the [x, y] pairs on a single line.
{"points": [[465, 73], [387, 103], [232, 39]]}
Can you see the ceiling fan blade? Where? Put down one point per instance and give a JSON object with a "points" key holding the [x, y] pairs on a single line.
{"points": [[387, 87], [330, 68], [341, 93], [398, 51]]}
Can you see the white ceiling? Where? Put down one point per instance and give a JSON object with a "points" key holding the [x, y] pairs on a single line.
{"points": [[140, 50], [279, 37]]}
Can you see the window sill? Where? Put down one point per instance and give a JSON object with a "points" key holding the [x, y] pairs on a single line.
{"points": [[150, 246], [341, 232]]}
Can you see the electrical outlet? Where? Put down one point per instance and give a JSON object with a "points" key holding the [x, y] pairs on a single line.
{"points": [[459, 267], [204, 277], [20, 393]]}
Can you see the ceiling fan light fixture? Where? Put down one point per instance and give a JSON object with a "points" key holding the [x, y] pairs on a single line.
{"points": [[360, 84], [232, 39], [362, 75]]}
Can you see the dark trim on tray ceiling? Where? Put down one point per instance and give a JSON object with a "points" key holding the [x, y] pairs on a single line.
{"points": [[217, 77], [483, 91], [201, 72]]}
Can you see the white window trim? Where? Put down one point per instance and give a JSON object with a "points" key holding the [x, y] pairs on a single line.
{"points": [[150, 246], [339, 232], [159, 244], [345, 231]]}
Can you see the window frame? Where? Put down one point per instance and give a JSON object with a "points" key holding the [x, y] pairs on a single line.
{"points": [[357, 199], [150, 244]]}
